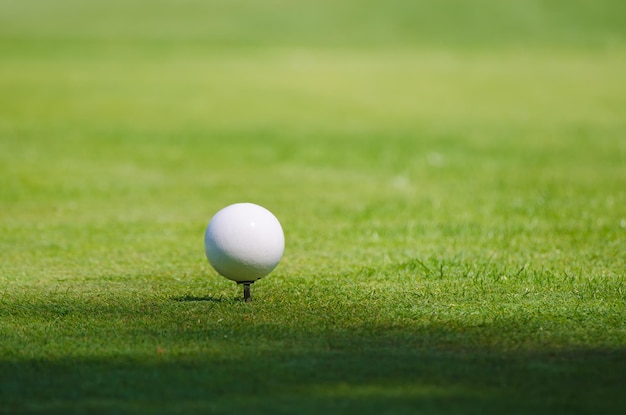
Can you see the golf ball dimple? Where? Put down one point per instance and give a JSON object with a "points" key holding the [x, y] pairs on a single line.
{"points": [[244, 242]]}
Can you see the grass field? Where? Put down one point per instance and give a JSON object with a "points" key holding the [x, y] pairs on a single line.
{"points": [[450, 176]]}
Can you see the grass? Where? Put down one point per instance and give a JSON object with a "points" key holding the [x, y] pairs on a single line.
{"points": [[449, 175]]}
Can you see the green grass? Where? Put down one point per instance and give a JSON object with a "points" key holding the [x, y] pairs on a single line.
{"points": [[450, 176]]}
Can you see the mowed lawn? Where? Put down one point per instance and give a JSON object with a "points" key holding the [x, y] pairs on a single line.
{"points": [[450, 176]]}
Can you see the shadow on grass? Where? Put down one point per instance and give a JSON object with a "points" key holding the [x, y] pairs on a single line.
{"points": [[192, 298], [315, 382], [79, 356]]}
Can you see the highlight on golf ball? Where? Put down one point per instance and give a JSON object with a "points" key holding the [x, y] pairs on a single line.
{"points": [[244, 242]]}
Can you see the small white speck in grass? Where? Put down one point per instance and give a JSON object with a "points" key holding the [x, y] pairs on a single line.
{"points": [[401, 182], [622, 223], [435, 159]]}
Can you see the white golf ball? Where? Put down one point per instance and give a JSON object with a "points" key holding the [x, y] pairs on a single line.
{"points": [[244, 242]]}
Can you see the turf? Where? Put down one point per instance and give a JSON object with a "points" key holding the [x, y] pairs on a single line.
{"points": [[450, 177]]}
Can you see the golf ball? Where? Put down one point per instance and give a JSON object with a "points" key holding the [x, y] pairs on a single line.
{"points": [[244, 242]]}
